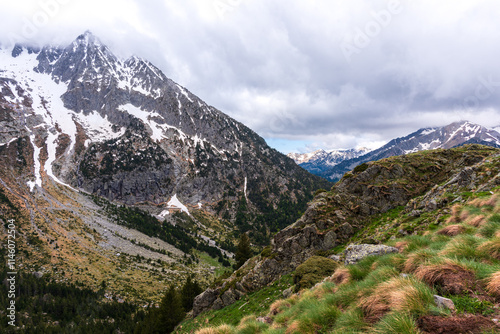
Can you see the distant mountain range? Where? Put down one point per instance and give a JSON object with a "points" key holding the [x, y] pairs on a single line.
{"points": [[452, 135], [318, 161]]}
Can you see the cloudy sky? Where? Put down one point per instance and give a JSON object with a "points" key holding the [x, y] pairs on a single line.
{"points": [[304, 74]]}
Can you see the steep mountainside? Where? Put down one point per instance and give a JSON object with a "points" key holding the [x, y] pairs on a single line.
{"points": [[452, 135], [428, 265], [319, 161], [84, 136], [356, 208]]}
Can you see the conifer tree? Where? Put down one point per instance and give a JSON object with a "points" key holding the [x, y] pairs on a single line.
{"points": [[243, 252], [189, 291], [171, 311]]}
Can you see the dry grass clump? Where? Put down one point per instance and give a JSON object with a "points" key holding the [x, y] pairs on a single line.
{"points": [[482, 202], [455, 214], [451, 230], [450, 276], [491, 247], [476, 221], [323, 289], [416, 259], [294, 328], [493, 285], [401, 245], [208, 330], [397, 294], [341, 276], [278, 306], [464, 215]]}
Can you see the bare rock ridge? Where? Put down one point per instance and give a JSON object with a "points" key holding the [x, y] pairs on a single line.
{"points": [[416, 181]]}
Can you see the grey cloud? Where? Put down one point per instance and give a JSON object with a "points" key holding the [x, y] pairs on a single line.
{"points": [[279, 66]]}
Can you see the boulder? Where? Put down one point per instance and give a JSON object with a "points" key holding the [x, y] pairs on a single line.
{"points": [[204, 301], [345, 231], [355, 253], [228, 297], [329, 240], [442, 302]]}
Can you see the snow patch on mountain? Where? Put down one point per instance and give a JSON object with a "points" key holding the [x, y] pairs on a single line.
{"points": [[174, 203], [36, 158]]}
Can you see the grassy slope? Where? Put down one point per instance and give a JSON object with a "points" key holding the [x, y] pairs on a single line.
{"points": [[453, 251], [390, 294]]}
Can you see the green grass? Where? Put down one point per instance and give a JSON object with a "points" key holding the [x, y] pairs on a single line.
{"points": [[256, 303], [379, 298], [467, 304], [204, 257], [397, 323]]}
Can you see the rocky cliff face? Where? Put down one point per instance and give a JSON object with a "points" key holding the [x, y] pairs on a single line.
{"points": [[414, 182]]}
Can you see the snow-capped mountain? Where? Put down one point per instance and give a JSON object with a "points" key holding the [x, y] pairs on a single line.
{"points": [[452, 135], [318, 161], [123, 130]]}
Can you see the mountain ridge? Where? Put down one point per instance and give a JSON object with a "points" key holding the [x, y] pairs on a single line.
{"points": [[108, 162], [451, 135]]}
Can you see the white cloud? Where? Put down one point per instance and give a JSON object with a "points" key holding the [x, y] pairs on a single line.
{"points": [[278, 65]]}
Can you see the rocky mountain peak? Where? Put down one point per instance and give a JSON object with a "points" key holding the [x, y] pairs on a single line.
{"points": [[123, 130]]}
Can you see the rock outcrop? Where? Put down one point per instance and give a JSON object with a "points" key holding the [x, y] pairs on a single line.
{"points": [[291, 247], [356, 253]]}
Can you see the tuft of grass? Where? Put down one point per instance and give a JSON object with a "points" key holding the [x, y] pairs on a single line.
{"points": [[417, 242], [455, 214], [279, 306], [341, 276], [419, 257], [465, 246], [450, 275], [321, 317], [397, 294], [351, 321], [476, 221], [482, 270], [451, 230], [489, 229], [208, 330], [362, 268], [493, 285], [249, 325], [397, 323], [395, 260], [491, 247]]}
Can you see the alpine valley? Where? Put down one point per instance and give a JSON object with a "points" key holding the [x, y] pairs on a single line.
{"points": [[118, 177], [129, 205]]}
